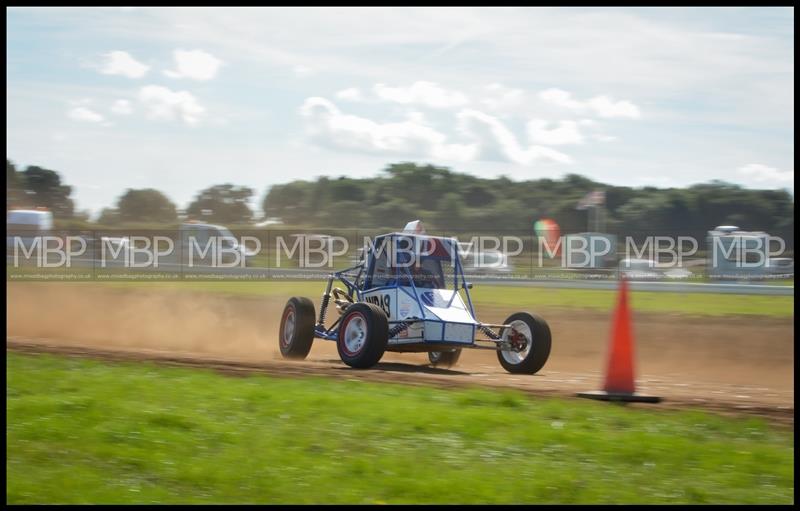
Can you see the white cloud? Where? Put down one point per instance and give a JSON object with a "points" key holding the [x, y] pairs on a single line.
{"points": [[488, 137], [606, 107], [502, 97], [417, 117], [602, 106], [560, 98], [503, 101], [604, 138], [162, 103], [350, 94], [565, 132], [122, 63], [329, 126], [505, 141], [84, 114], [421, 93], [301, 70], [122, 107], [194, 64], [759, 173]]}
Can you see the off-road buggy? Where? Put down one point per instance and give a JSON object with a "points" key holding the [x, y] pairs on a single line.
{"points": [[405, 295]]}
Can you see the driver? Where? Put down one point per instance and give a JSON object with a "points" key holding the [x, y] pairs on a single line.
{"points": [[426, 278]]}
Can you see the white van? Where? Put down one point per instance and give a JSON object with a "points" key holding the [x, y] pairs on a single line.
{"points": [[27, 224]]}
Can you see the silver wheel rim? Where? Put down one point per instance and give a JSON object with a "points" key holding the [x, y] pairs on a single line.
{"points": [[288, 328], [516, 357], [434, 356], [355, 334]]}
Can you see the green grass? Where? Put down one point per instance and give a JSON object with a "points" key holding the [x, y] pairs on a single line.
{"points": [[699, 304], [81, 431], [511, 297]]}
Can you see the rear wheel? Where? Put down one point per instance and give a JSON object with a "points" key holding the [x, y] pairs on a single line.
{"points": [[363, 335], [529, 334], [297, 328], [445, 359]]}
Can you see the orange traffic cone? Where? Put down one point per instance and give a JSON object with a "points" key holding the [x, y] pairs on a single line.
{"points": [[619, 384]]}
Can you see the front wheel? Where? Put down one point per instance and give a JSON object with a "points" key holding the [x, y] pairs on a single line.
{"points": [[445, 359], [529, 335], [297, 328], [363, 335]]}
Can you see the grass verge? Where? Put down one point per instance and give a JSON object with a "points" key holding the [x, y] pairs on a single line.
{"points": [[83, 431], [510, 297]]}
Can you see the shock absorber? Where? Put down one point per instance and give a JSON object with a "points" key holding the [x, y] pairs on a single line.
{"points": [[326, 298], [488, 332]]}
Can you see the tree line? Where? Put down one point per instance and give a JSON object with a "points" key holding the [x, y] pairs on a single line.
{"points": [[450, 200], [442, 198], [40, 187]]}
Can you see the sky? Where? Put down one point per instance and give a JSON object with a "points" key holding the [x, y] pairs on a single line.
{"points": [[180, 99]]}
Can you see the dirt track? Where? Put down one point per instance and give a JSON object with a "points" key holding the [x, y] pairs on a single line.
{"points": [[731, 364]]}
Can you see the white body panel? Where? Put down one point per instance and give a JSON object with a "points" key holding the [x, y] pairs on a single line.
{"points": [[443, 323]]}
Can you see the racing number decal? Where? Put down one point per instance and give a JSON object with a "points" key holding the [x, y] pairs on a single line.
{"points": [[381, 301]]}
